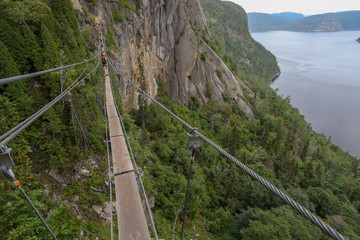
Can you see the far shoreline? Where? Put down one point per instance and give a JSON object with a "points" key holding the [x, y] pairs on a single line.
{"points": [[305, 31]]}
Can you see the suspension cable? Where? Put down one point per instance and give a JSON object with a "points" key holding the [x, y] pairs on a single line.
{"points": [[137, 170], [31, 75], [2, 137], [108, 152], [140, 178], [37, 213], [16, 182], [86, 140], [93, 112], [109, 169], [35, 116], [303, 211], [143, 132], [187, 191]]}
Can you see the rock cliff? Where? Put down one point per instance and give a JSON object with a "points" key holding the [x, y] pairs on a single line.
{"points": [[162, 41]]}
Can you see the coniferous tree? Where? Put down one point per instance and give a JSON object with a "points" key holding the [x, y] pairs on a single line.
{"points": [[51, 60], [50, 49], [16, 91], [32, 51], [14, 43], [7, 63]]}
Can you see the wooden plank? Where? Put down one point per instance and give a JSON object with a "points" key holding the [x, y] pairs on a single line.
{"points": [[130, 214], [128, 208], [115, 129], [111, 111], [119, 152]]}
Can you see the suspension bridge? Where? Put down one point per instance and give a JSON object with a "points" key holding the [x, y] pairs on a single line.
{"points": [[123, 168]]}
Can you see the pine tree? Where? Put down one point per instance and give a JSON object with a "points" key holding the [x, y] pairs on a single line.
{"points": [[50, 49], [32, 51], [17, 91], [7, 63], [64, 7], [14, 43], [51, 60]]}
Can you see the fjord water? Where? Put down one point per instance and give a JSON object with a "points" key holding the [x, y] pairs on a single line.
{"points": [[320, 71]]}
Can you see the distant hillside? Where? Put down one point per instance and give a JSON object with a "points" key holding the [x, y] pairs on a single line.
{"points": [[227, 23], [289, 16], [267, 22], [339, 21]]}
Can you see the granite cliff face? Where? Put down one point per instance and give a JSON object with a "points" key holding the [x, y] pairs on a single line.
{"points": [[162, 41]]}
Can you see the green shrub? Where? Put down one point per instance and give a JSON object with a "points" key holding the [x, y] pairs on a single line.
{"points": [[126, 4], [117, 17], [111, 42], [203, 56]]}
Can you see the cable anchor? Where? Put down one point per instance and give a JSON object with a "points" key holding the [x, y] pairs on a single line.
{"points": [[82, 82], [143, 98], [194, 140], [68, 98], [107, 183], [6, 162]]}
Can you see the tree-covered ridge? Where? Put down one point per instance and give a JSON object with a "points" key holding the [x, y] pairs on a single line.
{"points": [[289, 16], [349, 20], [227, 23], [267, 22], [278, 144], [224, 202], [338, 21]]}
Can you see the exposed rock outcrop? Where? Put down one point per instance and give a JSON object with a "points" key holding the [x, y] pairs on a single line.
{"points": [[163, 42]]}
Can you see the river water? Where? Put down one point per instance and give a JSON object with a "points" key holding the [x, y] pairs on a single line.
{"points": [[321, 73]]}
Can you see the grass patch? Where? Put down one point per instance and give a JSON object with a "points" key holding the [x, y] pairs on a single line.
{"points": [[117, 17], [111, 43], [126, 4]]}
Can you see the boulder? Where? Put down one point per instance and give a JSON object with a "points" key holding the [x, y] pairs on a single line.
{"points": [[85, 172], [97, 209]]}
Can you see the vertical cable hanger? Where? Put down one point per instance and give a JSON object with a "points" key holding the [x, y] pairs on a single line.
{"points": [[143, 105], [6, 165], [194, 144]]}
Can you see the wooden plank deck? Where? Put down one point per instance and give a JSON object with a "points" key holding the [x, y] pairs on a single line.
{"points": [[130, 214]]}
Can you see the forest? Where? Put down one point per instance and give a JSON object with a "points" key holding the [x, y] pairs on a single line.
{"points": [[335, 21], [224, 202]]}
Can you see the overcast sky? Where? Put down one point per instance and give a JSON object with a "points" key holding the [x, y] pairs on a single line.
{"points": [[303, 6]]}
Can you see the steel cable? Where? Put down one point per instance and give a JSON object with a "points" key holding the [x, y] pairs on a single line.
{"points": [[93, 113], [187, 193], [37, 213], [303, 211], [109, 166], [86, 140], [140, 176], [39, 111], [31, 75], [137, 170], [10, 175], [314, 219], [19, 128]]}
